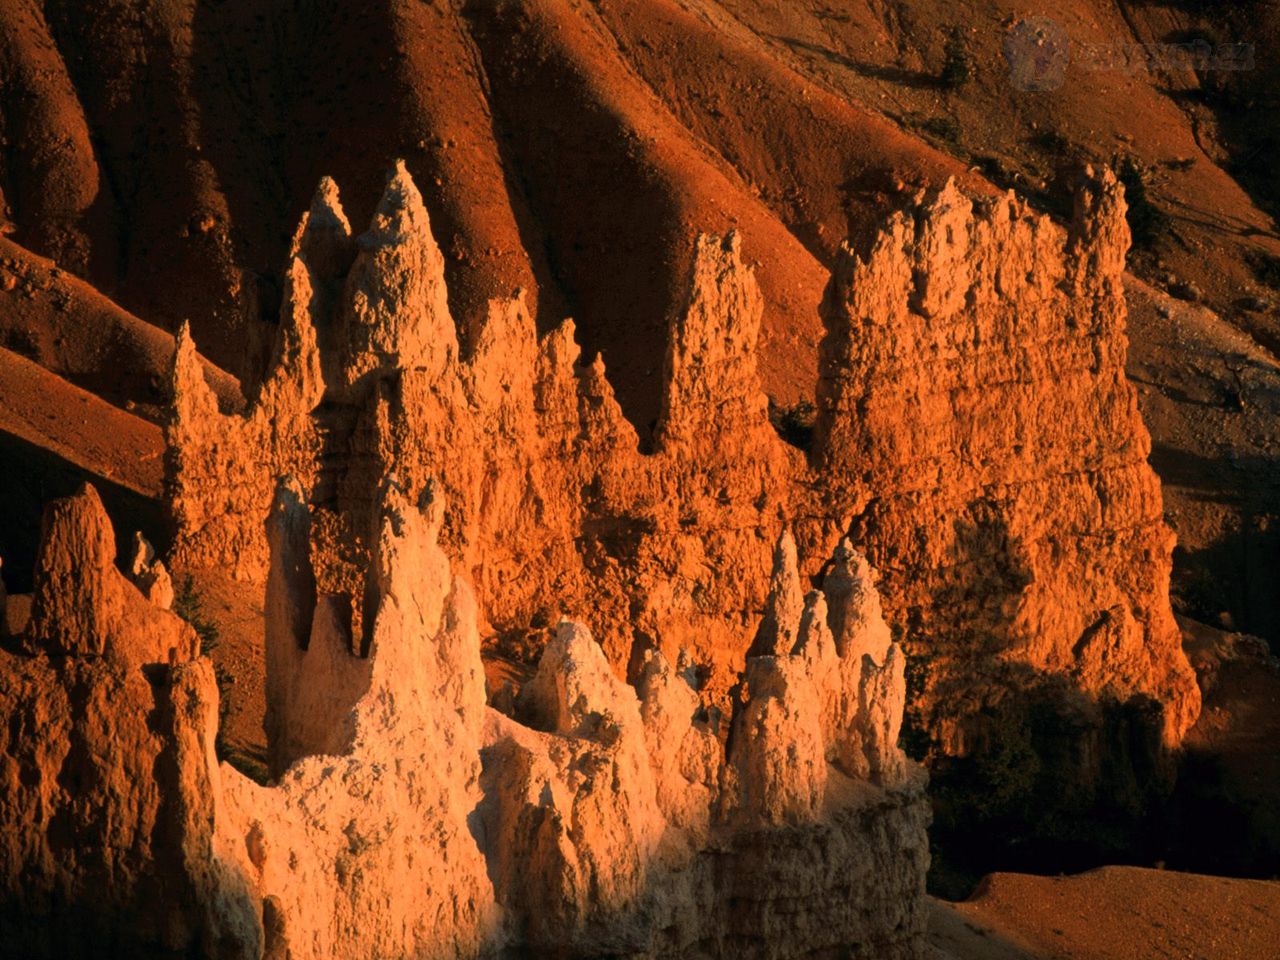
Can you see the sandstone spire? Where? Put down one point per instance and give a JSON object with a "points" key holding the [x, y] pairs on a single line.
{"points": [[111, 726], [687, 774], [323, 234], [396, 307], [193, 400], [853, 605], [710, 382], [780, 627], [82, 605], [149, 574], [777, 751], [324, 245], [412, 592], [221, 470], [577, 813], [601, 421], [1098, 238], [294, 378], [882, 696], [853, 678], [75, 567]]}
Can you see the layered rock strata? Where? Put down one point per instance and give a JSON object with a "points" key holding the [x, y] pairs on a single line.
{"points": [[973, 411], [975, 437], [409, 819], [552, 508]]}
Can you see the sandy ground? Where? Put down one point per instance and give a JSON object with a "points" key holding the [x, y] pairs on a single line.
{"points": [[1113, 913]]}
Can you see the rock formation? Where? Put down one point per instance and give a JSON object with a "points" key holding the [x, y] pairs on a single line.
{"points": [[552, 507], [818, 702], [745, 795], [974, 412], [406, 818], [976, 439], [82, 605], [238, 457], [149, 574], [105, 803]]}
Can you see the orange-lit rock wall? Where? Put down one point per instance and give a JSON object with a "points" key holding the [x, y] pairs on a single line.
{"points": [[975, 418], [975, 438], [408, 819]]}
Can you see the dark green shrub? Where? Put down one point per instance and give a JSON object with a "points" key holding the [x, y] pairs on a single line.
{"points": [[1146, 220], [914, 737], [795, 423], [190, 607], [957, 64], [997, 782]]}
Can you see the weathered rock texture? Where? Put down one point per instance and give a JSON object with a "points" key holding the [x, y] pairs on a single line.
{"points": [[552, 508], [150, 575], [104, 814], [976, 439], [407, 819], [974, 417], [244, 453]]}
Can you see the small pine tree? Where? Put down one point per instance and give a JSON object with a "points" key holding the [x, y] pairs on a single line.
{"points": [[957, 65], [1146, 220], [189, 606]]}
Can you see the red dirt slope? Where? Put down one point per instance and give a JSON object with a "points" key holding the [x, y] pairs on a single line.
{"points": [[1115, 913], [54, 437], [553, 151], [69, 328]]}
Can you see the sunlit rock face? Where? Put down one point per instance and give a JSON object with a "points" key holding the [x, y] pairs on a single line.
{"points": [[107, 807], [408, 819], [551, 505], [975, 440], [972, 402], [405, 497]]}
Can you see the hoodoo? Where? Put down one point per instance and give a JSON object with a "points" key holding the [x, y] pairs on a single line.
{"points": [[975, 420], [974, 427], [410, 502], [685, 479], [406, 818]]}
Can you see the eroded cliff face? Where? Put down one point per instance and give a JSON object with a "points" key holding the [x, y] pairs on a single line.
{"points": [[976, 439], [409, 499], [974, 414], [553, 509], [409, 819], [106, 803]]}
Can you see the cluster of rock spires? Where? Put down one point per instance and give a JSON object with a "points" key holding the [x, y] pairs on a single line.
{"points": [[406, 817], [744, 794], [975, 436]]}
